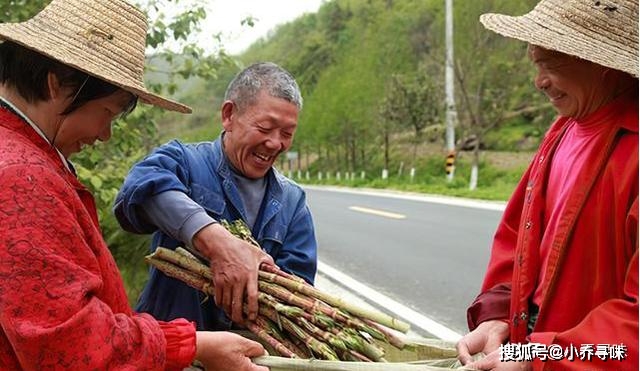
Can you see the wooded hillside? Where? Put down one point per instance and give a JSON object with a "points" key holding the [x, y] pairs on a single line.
{"points": [[372, 76]]}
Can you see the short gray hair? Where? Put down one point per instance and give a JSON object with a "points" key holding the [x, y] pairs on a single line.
{"points": [[267, 76]]}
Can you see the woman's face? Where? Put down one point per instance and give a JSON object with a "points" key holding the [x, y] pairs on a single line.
{"points": [[574, 86], [90, 122]]}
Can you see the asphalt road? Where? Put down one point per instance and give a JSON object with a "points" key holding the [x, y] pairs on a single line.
{"points": [[431, 257]]}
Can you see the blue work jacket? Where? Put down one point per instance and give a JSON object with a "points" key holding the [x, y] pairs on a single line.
{"points": [[284, 227]]}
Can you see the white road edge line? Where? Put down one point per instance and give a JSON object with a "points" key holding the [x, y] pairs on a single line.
{"points": [[415, 318], [386, 214], [445, 200]]}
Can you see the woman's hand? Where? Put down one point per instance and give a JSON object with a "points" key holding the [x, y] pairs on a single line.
{"points": [[486, 338], [223, 351], [492, 362]]}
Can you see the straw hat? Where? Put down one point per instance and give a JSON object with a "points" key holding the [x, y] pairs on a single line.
{"points": [[104, 38], [601, 31]]}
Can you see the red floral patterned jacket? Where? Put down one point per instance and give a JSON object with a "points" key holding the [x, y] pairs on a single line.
{"points": [[62, 300]]}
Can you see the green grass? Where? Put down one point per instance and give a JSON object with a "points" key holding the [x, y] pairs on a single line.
{"points": [[499, 190], [493, 183]]}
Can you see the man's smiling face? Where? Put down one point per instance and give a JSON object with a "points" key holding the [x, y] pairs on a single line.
{"points": [[256, 135]]}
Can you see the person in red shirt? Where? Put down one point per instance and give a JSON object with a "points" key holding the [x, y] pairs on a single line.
{"points": [[65, 75], [562, 280]]}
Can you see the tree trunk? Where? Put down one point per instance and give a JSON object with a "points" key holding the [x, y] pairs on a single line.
{"points": [[386, 150], [354, 160], [473, 178]]}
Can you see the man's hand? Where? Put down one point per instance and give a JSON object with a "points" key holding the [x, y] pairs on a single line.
{"points": [[223, 351], [234, 264], [486, 338]]}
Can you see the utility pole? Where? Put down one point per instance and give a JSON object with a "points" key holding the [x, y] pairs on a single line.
{"points": [[452, 115]]}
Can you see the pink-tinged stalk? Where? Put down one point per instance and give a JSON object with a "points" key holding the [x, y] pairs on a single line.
{"points": [[309, 290], [391, 338], [189, 278], [270, 340], [319, 348]]}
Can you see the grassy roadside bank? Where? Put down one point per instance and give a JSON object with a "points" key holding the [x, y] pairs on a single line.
{"points": [[499, 173]]}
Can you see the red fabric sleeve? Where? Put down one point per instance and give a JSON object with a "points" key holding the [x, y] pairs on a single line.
{"points": [[491, 304], [181, 343]]}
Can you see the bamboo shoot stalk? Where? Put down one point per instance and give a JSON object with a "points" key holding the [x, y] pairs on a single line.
{"points": [[288, 310], [391, 338], [189, 254], [310, 319], [273, 330], [299, 301], [189, 278], [355, 322], [309, 290], [275, 270], [320, 334], [351, 339], [320, 348], [356, 342], [345, 318], [270, 327], [241, 230], [181, 260], [202, 284], [198, 282], [315, 305], [356, 357], [310, 328], [263, 334], [323, 321], [297, 346]]}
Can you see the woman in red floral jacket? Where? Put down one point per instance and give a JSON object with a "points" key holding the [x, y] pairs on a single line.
{"points": [[65, 75], [562, 283]]}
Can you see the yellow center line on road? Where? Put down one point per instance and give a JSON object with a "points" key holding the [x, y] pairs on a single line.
{"points": [[386, 214]]}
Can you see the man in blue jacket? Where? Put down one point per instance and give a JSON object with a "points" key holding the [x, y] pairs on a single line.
{"points": [[180, 192]]}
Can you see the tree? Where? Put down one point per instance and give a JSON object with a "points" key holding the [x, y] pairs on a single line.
{"points": [[494, 77], [412, 102], [19, 10]]}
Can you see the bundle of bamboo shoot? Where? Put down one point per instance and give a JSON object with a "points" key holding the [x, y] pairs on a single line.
{"points": [[295, 319]]}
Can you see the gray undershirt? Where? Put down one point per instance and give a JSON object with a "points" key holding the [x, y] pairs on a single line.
{"points": [[251, 192], [180, 217]]}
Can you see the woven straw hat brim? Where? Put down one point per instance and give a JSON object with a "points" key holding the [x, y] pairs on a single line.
{"points": [[66, 39], [581, 30]]}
